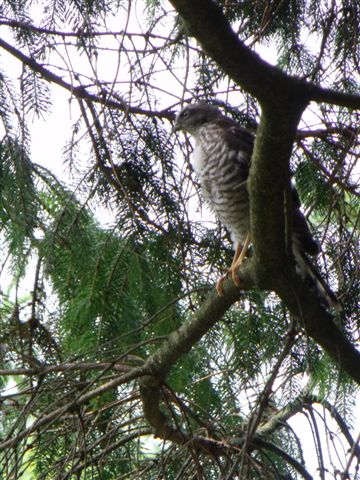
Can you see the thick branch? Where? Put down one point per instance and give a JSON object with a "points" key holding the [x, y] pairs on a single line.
{"points": [[273, 146], [210, 27], [272, 267], [263, 444], [182, 340], [267, 83], [319, 324], [328, 95], [178, 344], [279, 419], [155, 368]]}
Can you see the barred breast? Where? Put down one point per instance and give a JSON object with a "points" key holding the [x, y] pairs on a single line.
{"points": [[223, 174]]}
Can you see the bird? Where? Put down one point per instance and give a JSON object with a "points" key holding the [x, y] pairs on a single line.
{"points": [[221, 159]]}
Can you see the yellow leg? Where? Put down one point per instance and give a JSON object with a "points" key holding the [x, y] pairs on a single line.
{"points": [[240, 253], [239, 260], [219, 285]]}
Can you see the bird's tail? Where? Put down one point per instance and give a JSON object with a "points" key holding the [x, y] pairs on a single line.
{"points": [[310, 274]]}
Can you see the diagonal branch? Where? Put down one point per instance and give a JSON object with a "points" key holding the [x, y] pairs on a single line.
{"points": [[154, 370], [178, 344], [79, 91], [261, 443], [263, 400], [269, 84]]}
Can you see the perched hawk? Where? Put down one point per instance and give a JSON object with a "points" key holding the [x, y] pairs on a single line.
{"points": [[221, 159]]}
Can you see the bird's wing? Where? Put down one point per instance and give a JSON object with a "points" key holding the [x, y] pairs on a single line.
{"points": [[241, 141], [237, 138], [301, 229]]}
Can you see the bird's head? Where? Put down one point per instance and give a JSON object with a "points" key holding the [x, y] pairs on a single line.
{"points": [[194, 115]]}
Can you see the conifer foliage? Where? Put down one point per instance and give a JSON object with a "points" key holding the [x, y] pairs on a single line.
{"points": [[118, 358]]}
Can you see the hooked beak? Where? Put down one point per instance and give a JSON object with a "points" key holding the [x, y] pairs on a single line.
{"points": [[175, 127]]}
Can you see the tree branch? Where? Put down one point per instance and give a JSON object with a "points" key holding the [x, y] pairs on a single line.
{"points": [[270, 85], [261, 443], [319, 324], [156, 367], [79, 91], [48, 419], [311, 399], [178, 344]]}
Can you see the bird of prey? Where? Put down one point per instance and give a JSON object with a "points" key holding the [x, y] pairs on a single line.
{"points": [[221, 159]]}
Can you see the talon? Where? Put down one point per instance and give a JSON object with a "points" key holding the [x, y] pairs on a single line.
{"points": [[240, 254], [219, 285], [235, 278]]}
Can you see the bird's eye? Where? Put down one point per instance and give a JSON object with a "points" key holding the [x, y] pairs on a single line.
{"points": [[185, 114]]}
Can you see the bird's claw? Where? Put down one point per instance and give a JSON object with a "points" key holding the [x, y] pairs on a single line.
{"points": [[234, 277], [219, 285]]}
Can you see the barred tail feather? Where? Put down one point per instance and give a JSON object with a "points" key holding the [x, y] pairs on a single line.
{"points": [[309, 272]]}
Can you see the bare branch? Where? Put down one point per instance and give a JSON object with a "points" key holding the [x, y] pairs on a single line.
{"points": [[55, 415], [79, 91]]}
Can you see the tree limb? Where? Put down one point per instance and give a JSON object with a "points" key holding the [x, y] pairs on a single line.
{"points": [[311, 399], [79, 91], [260, 443], [270, 85], [48, 419]]}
